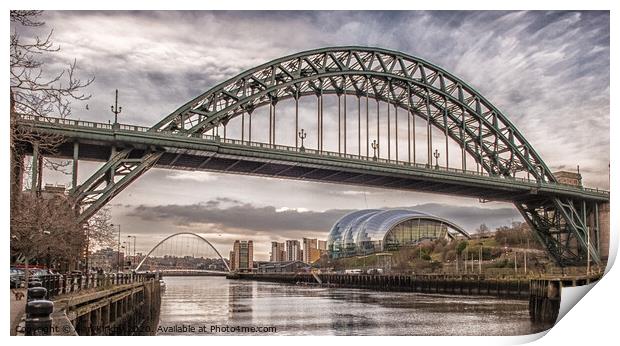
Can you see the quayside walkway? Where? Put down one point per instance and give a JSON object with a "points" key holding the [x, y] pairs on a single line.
{"points": [[102, 304]]}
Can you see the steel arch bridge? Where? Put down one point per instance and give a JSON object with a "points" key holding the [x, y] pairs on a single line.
{"points": [[175, 235], [507, 168]]}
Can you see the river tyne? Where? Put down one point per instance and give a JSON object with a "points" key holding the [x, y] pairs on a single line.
{"points": [[213, 305]]}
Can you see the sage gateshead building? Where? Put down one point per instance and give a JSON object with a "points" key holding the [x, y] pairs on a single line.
{"points": [[369, 231]]}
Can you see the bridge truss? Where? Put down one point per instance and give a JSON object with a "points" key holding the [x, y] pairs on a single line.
{"points": [[402, 88]]}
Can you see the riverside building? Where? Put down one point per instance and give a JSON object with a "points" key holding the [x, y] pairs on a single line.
{"points": [[369, 231]]}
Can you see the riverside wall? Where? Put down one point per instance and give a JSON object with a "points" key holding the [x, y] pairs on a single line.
{"points": [[122, 304]]}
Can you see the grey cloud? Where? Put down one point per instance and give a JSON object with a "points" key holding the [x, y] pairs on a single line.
{"points": [[547, 70], [241, 216], [294, 223]]}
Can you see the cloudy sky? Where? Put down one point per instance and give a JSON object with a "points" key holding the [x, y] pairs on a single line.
{"points": [[547, 71]]}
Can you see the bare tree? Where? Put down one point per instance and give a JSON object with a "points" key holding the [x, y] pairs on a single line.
{"points": [[43, 226], [34, 91], [45, 230], [100, 231], [483, 230]]}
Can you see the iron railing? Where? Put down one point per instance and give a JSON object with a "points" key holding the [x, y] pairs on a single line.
{"points": [[61, 284], [436, 168]]}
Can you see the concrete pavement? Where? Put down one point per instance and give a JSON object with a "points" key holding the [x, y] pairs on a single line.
{"points": [[17, 309]]}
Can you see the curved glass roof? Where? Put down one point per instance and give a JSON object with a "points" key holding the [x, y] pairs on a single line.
{"points": [[372, 225], [336, 233], [381, 223]]}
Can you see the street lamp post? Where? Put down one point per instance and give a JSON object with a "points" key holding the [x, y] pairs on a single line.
{"points": [[516, 262], [436, 155], [302, 135], [480, 260], [465, 261], [525, 257], [118, 253], [375, 147], [128, 250], [116, 109], [134, 245], [124, 247], [457, 262]]}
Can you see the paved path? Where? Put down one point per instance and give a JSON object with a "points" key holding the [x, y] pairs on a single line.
{"points": [[17, 309]]}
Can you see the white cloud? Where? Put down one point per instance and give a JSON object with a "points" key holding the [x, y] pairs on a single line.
{"points": [[201, 177]]}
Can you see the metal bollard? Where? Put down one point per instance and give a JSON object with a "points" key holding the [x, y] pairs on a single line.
{"points": [[36, 293], [71, 283], [49, 282], [67, 283], [51, 291], [34, 282], [38, 320], [57, 284]]}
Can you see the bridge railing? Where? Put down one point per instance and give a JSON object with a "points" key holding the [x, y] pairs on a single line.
{"points": [[346, 156], [596, 190], [384, 161], [124, 127], [66, 122], [142, 129], [61, 284]]}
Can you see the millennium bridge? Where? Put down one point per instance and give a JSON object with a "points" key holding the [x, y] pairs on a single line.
{"points": [[388, 103]]}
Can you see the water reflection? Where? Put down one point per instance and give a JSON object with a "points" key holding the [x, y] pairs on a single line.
{"points": [[300, 310], [239, 299]]}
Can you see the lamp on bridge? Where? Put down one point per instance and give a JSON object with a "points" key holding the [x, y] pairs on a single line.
{"points": [[302, 135], [436, 155], [116, 109], [375, 147]]}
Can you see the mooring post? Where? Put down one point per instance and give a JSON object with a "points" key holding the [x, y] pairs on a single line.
{"points": [[38, 310]]}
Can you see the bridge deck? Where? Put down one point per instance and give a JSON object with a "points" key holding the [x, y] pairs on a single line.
{"points": [[210, 153]]}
